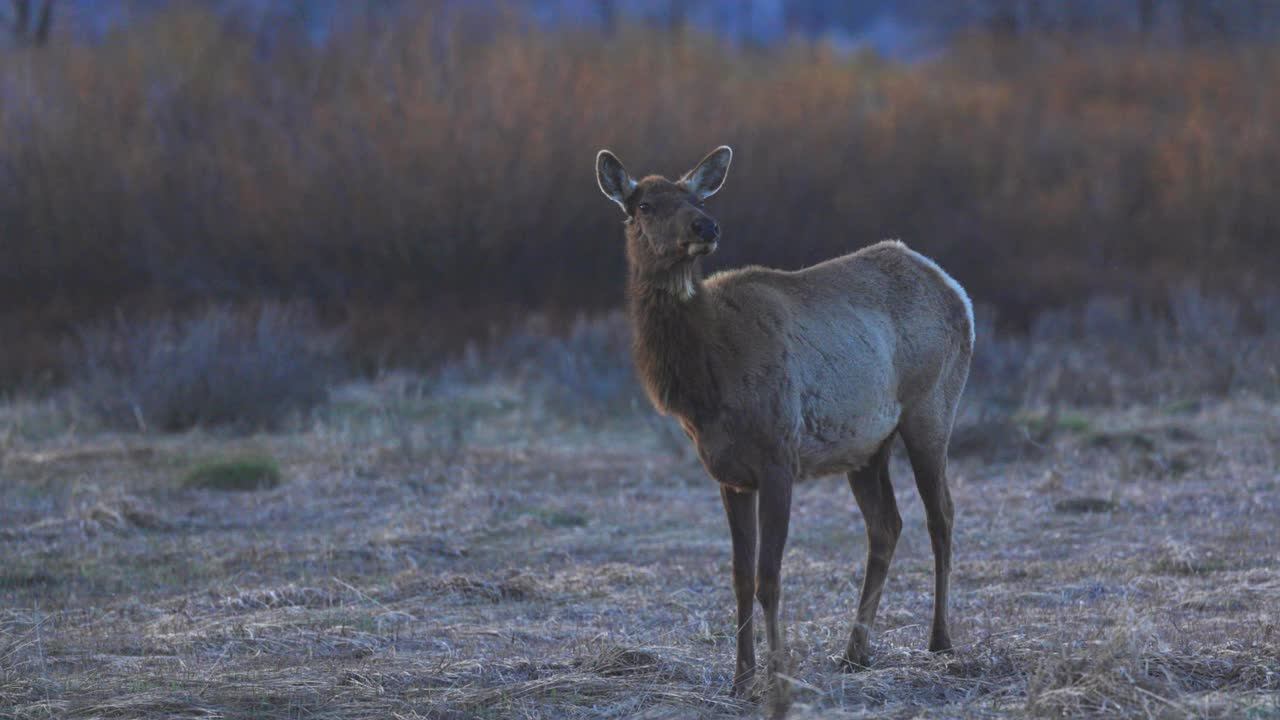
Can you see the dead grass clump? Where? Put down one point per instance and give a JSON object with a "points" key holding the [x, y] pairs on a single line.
{"points": [[1177, 558], [611, 682], [619, 660], [155, 704], [1220, 600], [601, 580], [245, 370], [1105, 675], [22, 658], [125, 512], [515, 587], [243, 474], [116, 512], [287, 596], [1128, 671], [1237, 593]]}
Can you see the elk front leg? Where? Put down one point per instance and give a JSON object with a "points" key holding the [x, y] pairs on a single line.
{"points": [[775, 515], [740, 507]]}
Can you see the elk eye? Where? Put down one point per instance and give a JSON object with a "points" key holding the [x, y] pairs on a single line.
{"points": [[645, 207]]}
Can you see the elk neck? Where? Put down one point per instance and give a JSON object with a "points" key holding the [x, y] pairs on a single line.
{"points": [[672, 322]]}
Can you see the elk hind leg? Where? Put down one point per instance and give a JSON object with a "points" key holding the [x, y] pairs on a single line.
{"points": [[926, 435], [874, 492]]}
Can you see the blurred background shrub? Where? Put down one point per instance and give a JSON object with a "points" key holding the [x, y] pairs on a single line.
{"points": [[247, 370], [419, 174]]}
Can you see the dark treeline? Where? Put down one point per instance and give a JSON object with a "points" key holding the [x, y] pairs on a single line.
{"points": [[425, 177], [900, 28]]}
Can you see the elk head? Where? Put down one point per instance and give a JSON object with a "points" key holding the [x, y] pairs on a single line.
{"points": [[667, 222]]}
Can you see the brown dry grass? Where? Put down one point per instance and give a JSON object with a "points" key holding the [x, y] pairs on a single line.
{"points": [[528, 566], [435, 173]]}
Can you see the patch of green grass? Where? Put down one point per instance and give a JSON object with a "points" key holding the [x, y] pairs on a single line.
{"points": [[1072, 422], [1132, 439], [1082, 505], [236, 474], [562, 518], [424, 409], [23, 579], [1185, 406]]}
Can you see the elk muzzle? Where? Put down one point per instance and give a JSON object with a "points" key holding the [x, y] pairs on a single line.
{"points": [[706, 233]]}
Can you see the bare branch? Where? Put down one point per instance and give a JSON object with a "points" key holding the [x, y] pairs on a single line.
{"points": [[21, 15], [45, 23]]}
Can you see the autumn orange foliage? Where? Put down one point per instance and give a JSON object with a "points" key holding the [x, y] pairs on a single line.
{"points": [[420, 174]]}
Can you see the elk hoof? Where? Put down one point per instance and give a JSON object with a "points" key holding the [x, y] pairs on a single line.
{"points": [[940, 643], [778, 698], [745, 687], [858, 655]]}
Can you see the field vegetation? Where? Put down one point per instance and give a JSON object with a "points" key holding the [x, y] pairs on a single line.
{"points": [[421, 181]]}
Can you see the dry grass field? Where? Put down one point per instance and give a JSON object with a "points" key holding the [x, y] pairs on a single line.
{"points": [[419, 550], [299, 417]]}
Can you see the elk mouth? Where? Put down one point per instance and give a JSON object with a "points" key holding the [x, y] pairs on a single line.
{"points": [[696, 249]]}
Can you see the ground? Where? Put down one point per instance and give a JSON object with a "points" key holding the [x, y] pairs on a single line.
{"points": [[459, 554]]}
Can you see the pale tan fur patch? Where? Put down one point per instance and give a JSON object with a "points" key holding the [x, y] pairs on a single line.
{"points": [[680, 282], [951, 283]]}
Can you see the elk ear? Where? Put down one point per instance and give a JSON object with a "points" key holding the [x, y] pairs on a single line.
{"points": [[613, 179], [706, 179]]}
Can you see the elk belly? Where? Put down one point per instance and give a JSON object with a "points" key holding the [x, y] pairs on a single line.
{"points": [[830, 445]]}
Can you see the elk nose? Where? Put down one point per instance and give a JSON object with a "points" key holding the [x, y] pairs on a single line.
{"points": [[706, 229]]}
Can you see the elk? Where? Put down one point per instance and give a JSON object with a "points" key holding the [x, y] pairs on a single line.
{"points": [[778, 375]]}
